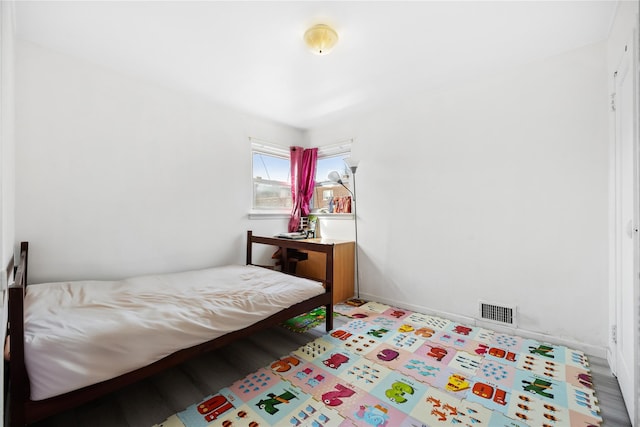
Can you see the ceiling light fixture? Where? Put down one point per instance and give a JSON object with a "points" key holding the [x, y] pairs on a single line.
{"points": [[321, 39]]}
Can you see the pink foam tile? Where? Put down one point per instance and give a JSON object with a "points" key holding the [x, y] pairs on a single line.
{"points": [[309, 376], [396, 313], [365, 311], [460, 330], [578, 377], [461, 343], [449, 339], [435, 352], [339, 395], [581, 419], [358, 313], [336, 360], [389, 356]]}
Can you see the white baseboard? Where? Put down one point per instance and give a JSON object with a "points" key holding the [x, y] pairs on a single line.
{"points": [[592, 350]]}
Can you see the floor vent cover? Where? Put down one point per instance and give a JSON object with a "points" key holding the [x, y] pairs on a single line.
{"points": [[498, 313]]}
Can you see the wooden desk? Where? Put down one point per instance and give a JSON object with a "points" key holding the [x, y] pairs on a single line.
{"points": [[343, 267]]}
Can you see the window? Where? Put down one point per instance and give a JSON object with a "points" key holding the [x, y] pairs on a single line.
{"points": [[331, 197], [271, 177]]}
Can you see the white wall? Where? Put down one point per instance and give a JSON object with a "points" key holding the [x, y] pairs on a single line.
{"points": [[7, 144], [7, 178], [117, 176], [495, 189]]}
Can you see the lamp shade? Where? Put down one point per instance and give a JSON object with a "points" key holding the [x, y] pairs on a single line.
{"points": [[352, 164], [335, 177], [321, 39]]}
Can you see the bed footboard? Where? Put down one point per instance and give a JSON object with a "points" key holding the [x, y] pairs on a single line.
{"points": [[312, 246]]}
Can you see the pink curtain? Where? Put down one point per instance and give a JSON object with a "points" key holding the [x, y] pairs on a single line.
{"points": [[303, 181]]}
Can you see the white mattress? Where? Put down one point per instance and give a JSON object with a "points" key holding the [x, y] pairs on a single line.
{"points": [[81, 333]]}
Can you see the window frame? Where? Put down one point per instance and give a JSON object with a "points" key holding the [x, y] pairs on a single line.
{"points": [[342, 149], [271, 150]]}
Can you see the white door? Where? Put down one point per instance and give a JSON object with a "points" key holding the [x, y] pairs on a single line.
{"points": [[626, 233]]}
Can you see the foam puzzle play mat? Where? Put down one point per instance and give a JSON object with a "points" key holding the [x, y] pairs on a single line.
{"points": [[390, 367]]}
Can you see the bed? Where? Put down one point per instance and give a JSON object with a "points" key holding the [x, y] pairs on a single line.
{"points": [[81, 327]]}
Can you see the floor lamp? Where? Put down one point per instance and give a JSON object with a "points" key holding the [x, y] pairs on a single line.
{"points": [[335, 177]]}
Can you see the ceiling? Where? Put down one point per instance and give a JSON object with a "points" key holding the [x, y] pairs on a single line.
{"points": [[250, 55]]}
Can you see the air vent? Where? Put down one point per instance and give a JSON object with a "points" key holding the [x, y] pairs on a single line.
{"points": [[498, 313]]}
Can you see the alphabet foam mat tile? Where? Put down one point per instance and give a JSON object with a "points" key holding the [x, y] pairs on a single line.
{"points": [[392, 367]]}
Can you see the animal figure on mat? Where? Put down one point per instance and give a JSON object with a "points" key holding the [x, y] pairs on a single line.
{"points": [[336, 360], [542, 350], [378, 333], [334, 397], [538, 387], [269, 405], [437, 353], [387, 355], [397, 392], [373, 415]]}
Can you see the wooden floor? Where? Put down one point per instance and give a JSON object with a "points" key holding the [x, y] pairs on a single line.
{"points": [[152, 401], [608, 393]]}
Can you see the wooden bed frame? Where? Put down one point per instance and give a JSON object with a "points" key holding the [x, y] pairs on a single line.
{"points": [[23, 411]]}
